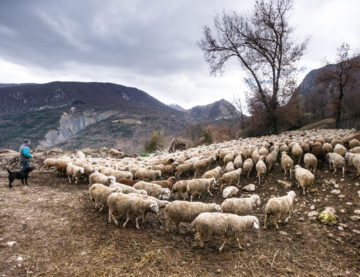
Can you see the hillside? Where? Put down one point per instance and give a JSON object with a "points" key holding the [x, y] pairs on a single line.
{"points": [[317, 94], [76, 115]]}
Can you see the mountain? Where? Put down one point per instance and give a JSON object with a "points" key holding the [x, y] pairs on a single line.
{"points": [[317, 94], [218, 110], [77, 115], [177, 107]]}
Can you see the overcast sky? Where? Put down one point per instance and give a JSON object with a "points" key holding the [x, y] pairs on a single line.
{"points": [[146, 44]]}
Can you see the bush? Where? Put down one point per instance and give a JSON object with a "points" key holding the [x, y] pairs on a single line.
{"points": [[155, 142]]}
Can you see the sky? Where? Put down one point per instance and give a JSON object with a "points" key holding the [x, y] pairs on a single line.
{"points": [[150, 45]]}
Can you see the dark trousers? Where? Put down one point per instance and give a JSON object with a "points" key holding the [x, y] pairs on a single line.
{"points": [[24, 165]]}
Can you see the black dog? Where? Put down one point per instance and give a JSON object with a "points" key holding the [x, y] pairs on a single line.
{"points": [[22, 175]]}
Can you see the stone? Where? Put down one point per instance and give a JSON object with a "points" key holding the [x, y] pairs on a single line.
{"points": [[335, 191], [355, 218], [11, 243], [284, 184], [357, 184], [312, 207], [313, 214], [357, 212], [283, 233], [20, 259], [342, 179], [249, 188], [336, 186], [349, 203], [341, 196], [356, 231]]}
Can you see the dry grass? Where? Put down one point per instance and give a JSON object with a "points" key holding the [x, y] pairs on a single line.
{"points": [[58, 233]]}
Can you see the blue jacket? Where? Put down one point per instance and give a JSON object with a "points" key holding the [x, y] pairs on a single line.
{"points": [[25, 153]]}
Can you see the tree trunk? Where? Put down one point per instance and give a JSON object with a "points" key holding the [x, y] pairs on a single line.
{"points": [[339, 107], [273, 122]]}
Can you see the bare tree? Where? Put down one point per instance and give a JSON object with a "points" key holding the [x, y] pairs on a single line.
{"points": [[262, 44], [341, 73]]}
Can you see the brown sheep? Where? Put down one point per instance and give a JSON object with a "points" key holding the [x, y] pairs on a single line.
{"points": [[169, 183]]}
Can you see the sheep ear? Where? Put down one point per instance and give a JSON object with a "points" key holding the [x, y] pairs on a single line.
{"points": [[256, 225]]}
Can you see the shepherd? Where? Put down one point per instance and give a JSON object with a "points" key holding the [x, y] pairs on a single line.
{"points": [[25, 155]]}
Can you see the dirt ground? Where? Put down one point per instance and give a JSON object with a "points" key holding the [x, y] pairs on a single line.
{"points": [[58, 233]]}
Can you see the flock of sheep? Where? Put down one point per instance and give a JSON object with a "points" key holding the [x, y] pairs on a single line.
{"points": [[167, 184]]}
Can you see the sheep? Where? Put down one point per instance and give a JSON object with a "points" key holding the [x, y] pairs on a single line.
{"points": [[61, 168], [153, 190], [336, 161], [213, 173], [255, 156], [183, 211], [100, 178], [202, 165], [147, 174], [327, 147], [356, 163], [48, 163], [278, 207], [100, 193], [310, 161], [168, 169], [296, 152], [263, 151], [230, 192], [248, 166], [261, 168], [74, 173], [127, 182], [118, 174], [354, 143], [303, 177], [231, 178], [133, 206], [229, 157], [355, 150], [184, 168], [166, 183], [80, 155], [180, 188], [199, 187], [319, 152], [287, 163], [241, 206], [340, 149], [238, 162], [127, 189], [208, 225], [229, 167], [272, 157]]}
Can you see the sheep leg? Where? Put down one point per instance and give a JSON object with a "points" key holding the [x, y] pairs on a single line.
{"points": [[266, 216], [191, 197], [343, 171], [238, 241], [167, 224], [101, 207], [290, 173], [259, 179], [69, 179], [126, 221], [198, 239], [223, 245], [137, 223], [334, 170], [210, 192], [110, 215]]}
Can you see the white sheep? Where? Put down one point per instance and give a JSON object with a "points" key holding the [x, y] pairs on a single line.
{"points": [[202, 165], [238, 162], [100, 193], [230, 192], [231, 178], [229, 167], [340, 149], [130, 205], [147, 174], [279, 207], [248, 166], [310, 161], [100, 178], [74, 173], [154, 190], [184, 211], [198, 187], [118, 174], [296, 152], [213, 173], [287, 163], [179, 188], [209, 225], [127, 189], [241, 206], [261, 168], [336, 161], [304, 177], [184, 168]]}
